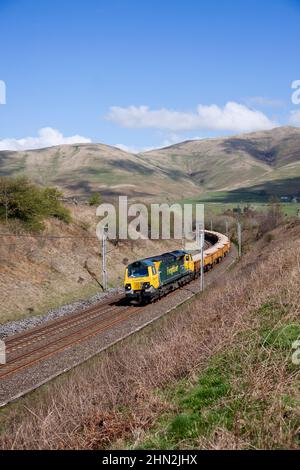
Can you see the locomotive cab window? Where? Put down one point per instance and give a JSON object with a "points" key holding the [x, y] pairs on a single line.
{"points": [[138, 271], [187, 258], [153, 270]]}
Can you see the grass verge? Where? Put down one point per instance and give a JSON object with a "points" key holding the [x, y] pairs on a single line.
{"points": [[245, 392]]}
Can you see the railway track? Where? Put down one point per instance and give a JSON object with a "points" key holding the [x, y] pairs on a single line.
{"points": [[38, 334], [29, 348], [35, 346]]}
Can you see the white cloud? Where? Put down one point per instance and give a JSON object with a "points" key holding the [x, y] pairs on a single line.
{"points": [[173, 139], [47, 137], [295, 117], [232, 117], [132, 149], [170, 139], [127, 148]]}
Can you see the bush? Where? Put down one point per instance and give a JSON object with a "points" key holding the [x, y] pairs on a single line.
{"points": [[95, 199], [22, 200], [53, 205]]}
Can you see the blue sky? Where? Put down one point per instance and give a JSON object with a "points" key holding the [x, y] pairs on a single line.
{"points": [[143, 74]]}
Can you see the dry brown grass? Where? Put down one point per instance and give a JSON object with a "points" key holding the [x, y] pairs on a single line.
{"points": [[113, 398]]}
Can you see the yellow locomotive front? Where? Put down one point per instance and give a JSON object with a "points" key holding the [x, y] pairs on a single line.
{"points": [[141, 280], [151, 278]]}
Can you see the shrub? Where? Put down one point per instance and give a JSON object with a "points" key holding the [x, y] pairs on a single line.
{"points": [[53, 205], [22, 200], [95, 199]]}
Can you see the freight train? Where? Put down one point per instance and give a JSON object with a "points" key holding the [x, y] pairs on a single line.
{"points": [[149, 279]]}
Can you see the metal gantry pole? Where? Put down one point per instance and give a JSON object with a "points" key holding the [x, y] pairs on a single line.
{"points": [[104, 270], [202, 260], [200, 237], [239, 236]]}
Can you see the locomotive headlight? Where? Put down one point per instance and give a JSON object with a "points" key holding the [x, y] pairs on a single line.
{"points": [[146, 285], [128, 287]]}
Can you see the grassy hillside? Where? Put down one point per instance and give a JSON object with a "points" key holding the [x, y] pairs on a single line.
{"points": [[82, 169], [186, 169], [209, 164], [248, 160]]}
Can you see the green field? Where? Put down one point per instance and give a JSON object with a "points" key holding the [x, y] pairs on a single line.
{"points": [[218, 202]]}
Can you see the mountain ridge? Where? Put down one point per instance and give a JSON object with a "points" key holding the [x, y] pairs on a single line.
{"points": [[173, 172]]}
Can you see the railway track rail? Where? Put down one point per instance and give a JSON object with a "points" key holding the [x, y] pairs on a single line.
{"points": [[36, 345], [38, 333], [34, 348]]}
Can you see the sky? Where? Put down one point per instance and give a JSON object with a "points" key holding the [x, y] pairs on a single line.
{"points": [[145, 74]]}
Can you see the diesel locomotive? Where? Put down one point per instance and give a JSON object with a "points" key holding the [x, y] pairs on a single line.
{"points": [[151, 278]]}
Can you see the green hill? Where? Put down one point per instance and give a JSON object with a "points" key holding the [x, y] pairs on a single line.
{"points": [[82, 169], [256, 159], [263, 160]]}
